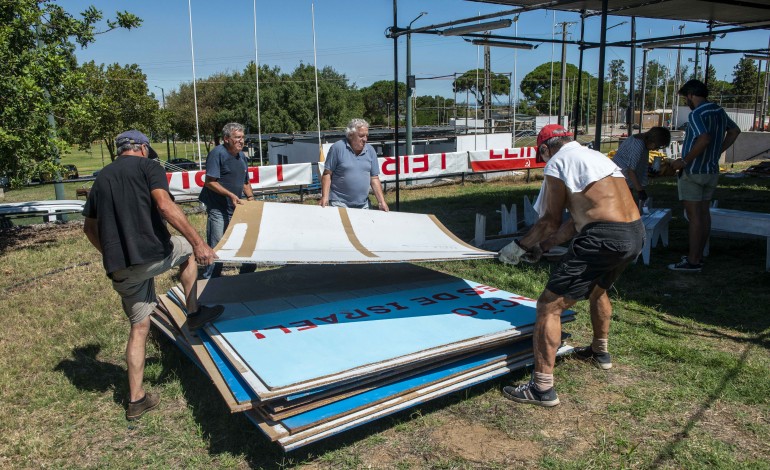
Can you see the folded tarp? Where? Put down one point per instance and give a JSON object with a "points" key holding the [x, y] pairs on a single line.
{"points": [[278, 233]]}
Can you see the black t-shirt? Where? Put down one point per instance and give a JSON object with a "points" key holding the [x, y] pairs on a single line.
{"points": [[131, 229]]}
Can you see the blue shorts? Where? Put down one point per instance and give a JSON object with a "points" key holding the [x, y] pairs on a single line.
{"points": [[597, 256]]}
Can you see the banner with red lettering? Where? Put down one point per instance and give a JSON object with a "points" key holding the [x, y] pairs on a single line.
{"points": [[190, 183], [520, 158], [421, 166]]}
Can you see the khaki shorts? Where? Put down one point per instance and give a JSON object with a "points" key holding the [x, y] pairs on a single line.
{"points": [[136, 284], [697, 187]]}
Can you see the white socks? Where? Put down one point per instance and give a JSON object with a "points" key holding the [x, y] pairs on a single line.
{"points": [[599, 345], [542, 381]]}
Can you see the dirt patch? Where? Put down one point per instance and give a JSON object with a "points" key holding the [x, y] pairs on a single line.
{"points": [[481, 444], [722, 422], [37, 235]]}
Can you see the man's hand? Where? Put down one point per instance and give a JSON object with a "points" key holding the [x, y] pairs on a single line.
{"points": [[324, 201], [512, 253], [533, 255], [204, 255], [384, 206], [678, 164], [234, 199]]}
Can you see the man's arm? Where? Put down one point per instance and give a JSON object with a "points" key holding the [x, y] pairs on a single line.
{"points": [[326, 186], [248, 191], [91, 230], [551, 220], [377, 188], [173, 214], [565, 232], [213, 185], [701, 142], [732, 134]]}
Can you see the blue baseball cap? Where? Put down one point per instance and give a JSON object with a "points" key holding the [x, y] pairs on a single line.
{"points": [[136, 138]]}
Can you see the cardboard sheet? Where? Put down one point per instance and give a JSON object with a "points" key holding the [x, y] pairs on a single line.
{"points": [[279, 233]]}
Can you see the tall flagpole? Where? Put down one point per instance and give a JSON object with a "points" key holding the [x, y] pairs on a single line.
{"points": [[195, 89], [256, 73], [315, 67]]}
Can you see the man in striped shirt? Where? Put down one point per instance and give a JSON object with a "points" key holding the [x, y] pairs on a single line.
{"points": [[709, 133], [633, 157]]}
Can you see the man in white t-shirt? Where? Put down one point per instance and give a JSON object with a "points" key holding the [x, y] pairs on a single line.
{"points": [[608, 236]]}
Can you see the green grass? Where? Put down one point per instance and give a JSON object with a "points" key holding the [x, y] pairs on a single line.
{"points": [[689, 388]]}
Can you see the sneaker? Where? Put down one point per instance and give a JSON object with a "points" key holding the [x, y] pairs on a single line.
{"points": [[528, 393], [137, 408], [204, 315], [600, 360], [684, 265]]}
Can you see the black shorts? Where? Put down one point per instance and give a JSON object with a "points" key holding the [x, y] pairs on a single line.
{"points": [[597, 256]]}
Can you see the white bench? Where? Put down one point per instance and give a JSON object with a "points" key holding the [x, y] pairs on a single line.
{"points": [[656, 228], [728, 221]]}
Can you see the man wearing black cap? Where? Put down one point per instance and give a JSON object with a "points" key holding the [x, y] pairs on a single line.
{"points": [[609, 236], [126, 214]]}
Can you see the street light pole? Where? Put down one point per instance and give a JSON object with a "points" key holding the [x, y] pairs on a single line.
{"points": [[168, 145], [410, 84]]}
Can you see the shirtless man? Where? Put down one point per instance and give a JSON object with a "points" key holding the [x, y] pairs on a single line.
{"points": [[610, 235]]}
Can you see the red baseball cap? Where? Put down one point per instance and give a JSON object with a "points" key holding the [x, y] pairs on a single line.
{"points": [[551, 130]]}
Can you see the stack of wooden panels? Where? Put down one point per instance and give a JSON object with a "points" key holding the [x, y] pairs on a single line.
{"points": [[310, 351]]}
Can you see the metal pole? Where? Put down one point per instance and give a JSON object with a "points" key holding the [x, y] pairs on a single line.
{"points": [[677, 84], [755, 122], [708, 58], [410, 84], [58, 186], [644, 90], [632, 81], [563, 85], [395, 100], [580, 74], [600, 92], [168, 145], [409, 90], [764, 94]]}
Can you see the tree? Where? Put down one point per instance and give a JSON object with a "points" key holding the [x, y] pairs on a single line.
{"points": [[40, 78], [115, 99], [378, 102], [656, 86], [744, 83], [473, 82], [537, 90], [432, 110]]}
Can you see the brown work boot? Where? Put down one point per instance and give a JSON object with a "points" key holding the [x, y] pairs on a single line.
{"points": [[204, 315], [137, 408]]}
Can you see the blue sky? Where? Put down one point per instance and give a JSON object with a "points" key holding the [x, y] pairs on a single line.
{"points": [[350, 37]]}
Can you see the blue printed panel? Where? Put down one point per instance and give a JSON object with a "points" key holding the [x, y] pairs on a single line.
{"points": [[294, 346]]}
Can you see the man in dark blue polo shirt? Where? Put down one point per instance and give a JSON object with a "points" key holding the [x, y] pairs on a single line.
{"points": [[709, 133], [227, 180], [350, 169]]}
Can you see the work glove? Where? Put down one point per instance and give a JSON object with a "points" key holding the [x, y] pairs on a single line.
{"points": [[512, 253], [642, 194], [533, 255]]}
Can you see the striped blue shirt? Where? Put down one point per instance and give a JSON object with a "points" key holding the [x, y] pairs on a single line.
{"points": [[708, 118], [632, 155]]}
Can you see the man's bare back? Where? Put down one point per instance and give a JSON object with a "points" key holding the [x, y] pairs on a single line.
{"points": [[606, 200]]}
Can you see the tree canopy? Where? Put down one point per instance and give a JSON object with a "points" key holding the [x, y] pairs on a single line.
{"points": [[40, 82], [473, 81]]}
